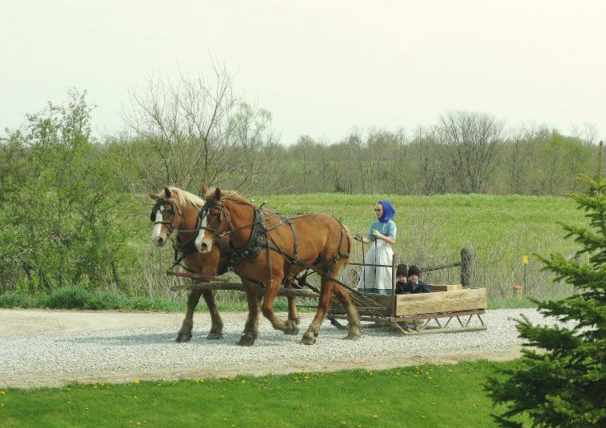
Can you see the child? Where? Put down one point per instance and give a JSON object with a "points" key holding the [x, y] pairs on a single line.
{"points": [[401, 272], [414, 284]]}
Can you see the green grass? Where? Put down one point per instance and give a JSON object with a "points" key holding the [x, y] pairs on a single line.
{"points": [[414, 396], [432, 230]]}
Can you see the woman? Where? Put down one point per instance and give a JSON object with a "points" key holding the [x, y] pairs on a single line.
{"points": [[381, 237]]}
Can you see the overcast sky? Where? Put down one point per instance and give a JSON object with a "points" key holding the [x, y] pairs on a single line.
{"points": [[322, 68]]}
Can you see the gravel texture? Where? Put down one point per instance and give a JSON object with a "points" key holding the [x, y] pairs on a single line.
{"points": [[53, 348]]}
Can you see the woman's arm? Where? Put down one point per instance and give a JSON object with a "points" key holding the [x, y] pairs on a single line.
{"points": [[389, 239]]}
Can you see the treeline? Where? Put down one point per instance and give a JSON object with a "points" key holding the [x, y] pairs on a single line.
{"points": [[71, 205], [450, 158]]}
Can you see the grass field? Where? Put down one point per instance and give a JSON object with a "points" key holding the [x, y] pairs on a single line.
{"points": [[415, 396], [432, 230]]}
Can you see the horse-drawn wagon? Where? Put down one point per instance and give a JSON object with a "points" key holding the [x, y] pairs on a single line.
{"points": [[275, 255]]}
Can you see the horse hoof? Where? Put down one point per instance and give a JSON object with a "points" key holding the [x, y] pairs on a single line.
{"points": [[352, 337], [291, 329], [183, 338], [246, 341], [213, 335], [308, 339]]}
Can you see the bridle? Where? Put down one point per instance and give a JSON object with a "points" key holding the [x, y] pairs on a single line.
{"points": [[223, 214], [157, 207]]}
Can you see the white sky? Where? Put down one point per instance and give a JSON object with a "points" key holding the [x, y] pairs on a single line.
{"points": [[322, 68]]}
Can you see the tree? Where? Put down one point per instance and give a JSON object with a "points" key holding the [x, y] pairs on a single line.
{"points": [[564, 383], [199, 132], [58, 203], [471, 139]]}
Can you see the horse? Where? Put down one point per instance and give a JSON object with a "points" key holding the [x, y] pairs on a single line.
{"points": [[270, 249], [178, 210]]}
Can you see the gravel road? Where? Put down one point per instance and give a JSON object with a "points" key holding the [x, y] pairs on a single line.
{"points": [[53, 348]]}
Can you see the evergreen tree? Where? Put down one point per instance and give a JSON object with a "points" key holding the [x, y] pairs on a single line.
{"points": [[562, 382]]}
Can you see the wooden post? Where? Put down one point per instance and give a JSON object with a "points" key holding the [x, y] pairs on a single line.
{"points": [[393, 284], [466, 267]]}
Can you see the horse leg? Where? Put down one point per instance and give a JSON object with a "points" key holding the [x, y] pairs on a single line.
{"points": [[353, 318], [184, 334], [288, 327], [251, 328], [216, 323], [309, 337], [328, 287], [293, 315]]}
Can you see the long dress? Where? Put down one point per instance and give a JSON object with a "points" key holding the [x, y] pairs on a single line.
{"points": [[375, 279]]}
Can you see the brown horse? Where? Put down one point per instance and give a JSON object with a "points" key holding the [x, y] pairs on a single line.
{"points": [[178, 210], [270, 249]]}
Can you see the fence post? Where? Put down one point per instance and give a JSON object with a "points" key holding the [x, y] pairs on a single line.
{"points": [[466, 267]]}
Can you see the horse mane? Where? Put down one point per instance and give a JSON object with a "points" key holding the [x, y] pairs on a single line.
{"points": [[183, 197], [229, 194], [234, 195]]}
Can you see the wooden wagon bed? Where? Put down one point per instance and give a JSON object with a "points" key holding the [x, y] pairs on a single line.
{"points": [[448, 308]]}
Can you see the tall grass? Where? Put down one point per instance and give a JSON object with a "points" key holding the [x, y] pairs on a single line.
{"points": [[432, 230]]}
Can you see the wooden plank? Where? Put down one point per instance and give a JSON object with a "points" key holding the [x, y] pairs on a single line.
{"points": [[446, 287], [456, 300]]}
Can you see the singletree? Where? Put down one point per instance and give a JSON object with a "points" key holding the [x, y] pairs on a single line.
{"points": [[561, 377]]}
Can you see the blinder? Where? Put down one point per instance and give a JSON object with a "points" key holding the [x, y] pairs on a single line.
{"points": [[204, 214], [157, 206]]}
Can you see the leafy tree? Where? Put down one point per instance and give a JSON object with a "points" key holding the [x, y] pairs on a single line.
{"points": [[63, 226], [563, 383]]}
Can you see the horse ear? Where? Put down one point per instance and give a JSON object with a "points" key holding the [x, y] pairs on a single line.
{"points": [[153, 196], [166, 193], [217, 194]]}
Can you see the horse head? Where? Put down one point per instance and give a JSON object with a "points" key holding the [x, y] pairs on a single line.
{"points": [[175, 209], [210, 219]]}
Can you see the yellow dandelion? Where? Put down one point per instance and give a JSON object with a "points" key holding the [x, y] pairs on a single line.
{"points": [[136, 381]]}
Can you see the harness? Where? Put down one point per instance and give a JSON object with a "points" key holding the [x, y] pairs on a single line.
{"points": [[261, 239]]}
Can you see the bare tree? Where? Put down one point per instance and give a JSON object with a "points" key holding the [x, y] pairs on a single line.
{"points": [[471, 139], [200, 132]]}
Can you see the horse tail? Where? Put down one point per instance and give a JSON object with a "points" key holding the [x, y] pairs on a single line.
{"points": [[346, 241]]}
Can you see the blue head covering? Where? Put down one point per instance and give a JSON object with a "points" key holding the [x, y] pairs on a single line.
{"points": [[388, 211]]}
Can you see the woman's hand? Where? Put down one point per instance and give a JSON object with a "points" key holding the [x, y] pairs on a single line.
{"points": [[385, 238]]}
